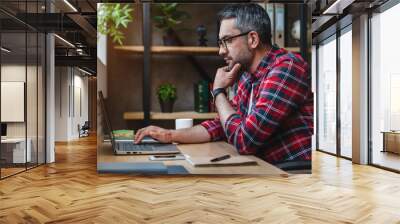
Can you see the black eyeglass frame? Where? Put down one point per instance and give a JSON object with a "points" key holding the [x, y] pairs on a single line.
{"points": [[222, 42]]}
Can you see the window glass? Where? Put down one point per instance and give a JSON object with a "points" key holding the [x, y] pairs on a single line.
{"points": [[346, 94], [385, 87], [327, 96]]}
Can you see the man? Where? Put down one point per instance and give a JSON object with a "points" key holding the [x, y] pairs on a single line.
{"points": [[271, 115]]}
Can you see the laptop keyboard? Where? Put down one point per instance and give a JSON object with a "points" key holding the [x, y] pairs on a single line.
{"points": [[130, 146]]}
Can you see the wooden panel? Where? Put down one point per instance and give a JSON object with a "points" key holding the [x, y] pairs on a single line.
{"points": [[191, 50], [392, 142], [169, 116], [293, 49]]}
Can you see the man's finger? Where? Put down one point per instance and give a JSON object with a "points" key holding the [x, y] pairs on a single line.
{"points": [[226, 68], [141, 135], [235, 68], [138, 138], [138, 133]]}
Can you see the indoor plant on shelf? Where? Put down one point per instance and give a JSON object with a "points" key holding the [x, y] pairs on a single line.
{"points": [[167, 18], [166, 95], [111, 17]]}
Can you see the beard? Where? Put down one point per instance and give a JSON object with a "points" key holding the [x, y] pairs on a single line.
{"points": [[244, 58]]}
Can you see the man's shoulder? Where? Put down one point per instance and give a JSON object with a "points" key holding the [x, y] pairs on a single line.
{"points": [[283, 56], [290, 62], [287, 61]]}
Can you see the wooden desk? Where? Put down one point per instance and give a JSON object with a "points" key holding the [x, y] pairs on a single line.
{"points": [[391, 141], [13, 150], [212, 149]]}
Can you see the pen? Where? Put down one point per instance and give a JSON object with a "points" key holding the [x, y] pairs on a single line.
{"points": [[165, 156], [220, 158]]}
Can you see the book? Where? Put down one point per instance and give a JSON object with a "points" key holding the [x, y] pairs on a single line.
{"points": [[123, 134], [202, 97], [232, 161]]}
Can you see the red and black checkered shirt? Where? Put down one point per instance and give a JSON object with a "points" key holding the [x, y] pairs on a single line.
{"points": [[279, 126]]}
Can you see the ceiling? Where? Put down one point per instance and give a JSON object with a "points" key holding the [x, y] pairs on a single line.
{"points": [[75, 21], [326, 13], [72, 20]]}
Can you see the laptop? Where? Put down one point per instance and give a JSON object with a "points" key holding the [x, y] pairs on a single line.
{"points": [[148, 145]]}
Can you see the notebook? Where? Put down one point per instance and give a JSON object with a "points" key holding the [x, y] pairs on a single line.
{"points": [[233, 161], [131, 168], [139, 168], [123, 134]]}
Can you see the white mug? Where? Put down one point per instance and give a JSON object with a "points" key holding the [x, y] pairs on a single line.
{"points": [[183, 123]]}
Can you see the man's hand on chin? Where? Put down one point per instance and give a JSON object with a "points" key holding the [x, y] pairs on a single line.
{"points": [[225, 78]]}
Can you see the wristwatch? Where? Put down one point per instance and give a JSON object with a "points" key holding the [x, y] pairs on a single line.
{"points": [[217, 91]]}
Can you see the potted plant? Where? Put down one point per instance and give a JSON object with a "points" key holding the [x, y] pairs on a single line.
{"points": [[167, 96], [167, 18], [111, 17]]}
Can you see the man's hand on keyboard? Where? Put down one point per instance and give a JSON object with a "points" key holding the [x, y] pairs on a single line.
{"points": [[160, 134]]}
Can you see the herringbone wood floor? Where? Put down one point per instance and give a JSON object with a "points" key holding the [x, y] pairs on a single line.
{"points": [[70, 191]]}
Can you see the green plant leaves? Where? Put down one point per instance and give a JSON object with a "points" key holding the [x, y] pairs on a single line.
{"points": [[166, 92], [113, 16], [168, 16]]}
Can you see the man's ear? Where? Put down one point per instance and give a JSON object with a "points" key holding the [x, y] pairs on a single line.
{"points": [[253, 40]]}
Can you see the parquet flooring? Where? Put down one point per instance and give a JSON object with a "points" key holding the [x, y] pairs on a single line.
{"points": [[70, 191]]}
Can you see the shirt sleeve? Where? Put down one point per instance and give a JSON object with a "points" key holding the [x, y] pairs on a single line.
{"points": [[214, 127], [281, 92]]}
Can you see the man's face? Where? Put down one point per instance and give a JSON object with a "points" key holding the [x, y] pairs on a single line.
{"points": [[236, 49]]}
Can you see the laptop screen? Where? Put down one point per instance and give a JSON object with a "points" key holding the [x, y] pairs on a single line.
{"points": [[108, 128]]}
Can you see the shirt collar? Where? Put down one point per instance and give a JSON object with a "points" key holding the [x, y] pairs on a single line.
{"points": [[266, 61]]}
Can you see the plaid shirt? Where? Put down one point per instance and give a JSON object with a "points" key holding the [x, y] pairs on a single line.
{"points": [[279, 125]]}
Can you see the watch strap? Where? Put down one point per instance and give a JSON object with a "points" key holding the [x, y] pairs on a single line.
{"points": [[216, 92]]}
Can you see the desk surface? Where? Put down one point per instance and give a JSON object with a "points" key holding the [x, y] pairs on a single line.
{"points": [[212, 149], [390, 132], [13, 140]]}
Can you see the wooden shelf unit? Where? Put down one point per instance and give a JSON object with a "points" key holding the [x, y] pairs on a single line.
{"points": [[293, 49], [147, 50], [168, 50], [169, 116], [179, 50]]}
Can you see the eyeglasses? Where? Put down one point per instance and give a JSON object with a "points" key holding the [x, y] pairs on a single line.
{"points": [[227, 40]]}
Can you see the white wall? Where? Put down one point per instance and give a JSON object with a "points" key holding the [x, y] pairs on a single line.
{"points": [[71, 94], [80, 111], [102, 64], [61, 103], [33, 126], [15, 73]]}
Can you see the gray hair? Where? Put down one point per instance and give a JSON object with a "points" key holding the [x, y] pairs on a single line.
{"points": [[249, 17]]}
